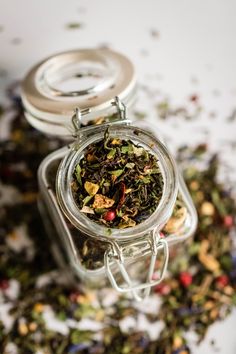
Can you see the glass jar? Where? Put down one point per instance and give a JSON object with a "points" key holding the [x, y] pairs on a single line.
{"points": [[133, 259]]}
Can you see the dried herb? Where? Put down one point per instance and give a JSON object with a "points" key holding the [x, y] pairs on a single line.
{"points": [[117, 183], [232, 116], [74, 25], [155, 33], [16, 41], [140, 115], [92, 251], [190, 110], [201, 287], [49, 315]]}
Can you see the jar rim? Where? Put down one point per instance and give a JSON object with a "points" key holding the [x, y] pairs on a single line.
{"points": [[155, 221]]}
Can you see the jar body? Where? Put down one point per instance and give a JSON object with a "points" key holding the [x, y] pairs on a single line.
{"points": [[88, 85], [86, 255]]}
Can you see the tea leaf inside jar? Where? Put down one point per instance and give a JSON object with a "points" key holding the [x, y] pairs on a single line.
{"points": [[119, 181]]}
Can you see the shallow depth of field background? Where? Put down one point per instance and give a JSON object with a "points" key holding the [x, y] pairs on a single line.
{"points": [[179, 48]]}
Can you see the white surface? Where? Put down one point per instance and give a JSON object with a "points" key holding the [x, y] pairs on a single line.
{"points": [[195, 52]]}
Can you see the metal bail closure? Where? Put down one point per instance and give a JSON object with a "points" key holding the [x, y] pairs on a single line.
{"points": [[154, 244], [79, 130]]}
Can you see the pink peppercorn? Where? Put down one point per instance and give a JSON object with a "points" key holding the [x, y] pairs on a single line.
{"points": [[222, 281], [4, 284], [228, 221], [109, 215], [185, 279], [162, 289]]}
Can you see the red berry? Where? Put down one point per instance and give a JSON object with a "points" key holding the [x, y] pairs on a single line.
{"points": [[109, 215], [163, 289], [74, 296], [228, 221], [185, 279], [222, 281], [4, 284]]}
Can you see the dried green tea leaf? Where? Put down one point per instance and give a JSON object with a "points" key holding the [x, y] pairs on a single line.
{"points": [[143, 179], [116, 173], [100, 211], [111, 153], [87, 199], [74, 25], [126, 149], [78, 174], [130, 165]]}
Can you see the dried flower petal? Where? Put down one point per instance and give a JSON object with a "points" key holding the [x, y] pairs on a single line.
{"points": [[87, 210], [208, 259], [101, 201], [91, 188], [176, 221], [207, 209]]}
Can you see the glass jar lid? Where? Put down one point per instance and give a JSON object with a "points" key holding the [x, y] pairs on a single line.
{"points": [[83, 78]]}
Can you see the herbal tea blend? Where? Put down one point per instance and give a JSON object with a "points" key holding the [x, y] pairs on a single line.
{"points": [[117, 183], [92, 251], [43, 307]]}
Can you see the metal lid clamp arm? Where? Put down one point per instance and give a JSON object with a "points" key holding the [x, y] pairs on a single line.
{"points": [[153, 245], [80, 130]]}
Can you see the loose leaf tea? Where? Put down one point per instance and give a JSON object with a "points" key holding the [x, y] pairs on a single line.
{"points": [[117, 183], [41, 313]]}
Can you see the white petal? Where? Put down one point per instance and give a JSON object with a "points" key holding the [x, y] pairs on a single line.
{"points": [[6, 319], [127, 324], [152, 328], [9, 195], [109, 297], [21, 241], [150, 305], [11, 348], [53, 323], [12, 292], [90, 325]]}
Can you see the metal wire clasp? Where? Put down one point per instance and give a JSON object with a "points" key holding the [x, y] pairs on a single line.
{"points": [[121, 108], [77, 120], [122, 255], [79, 130]]}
